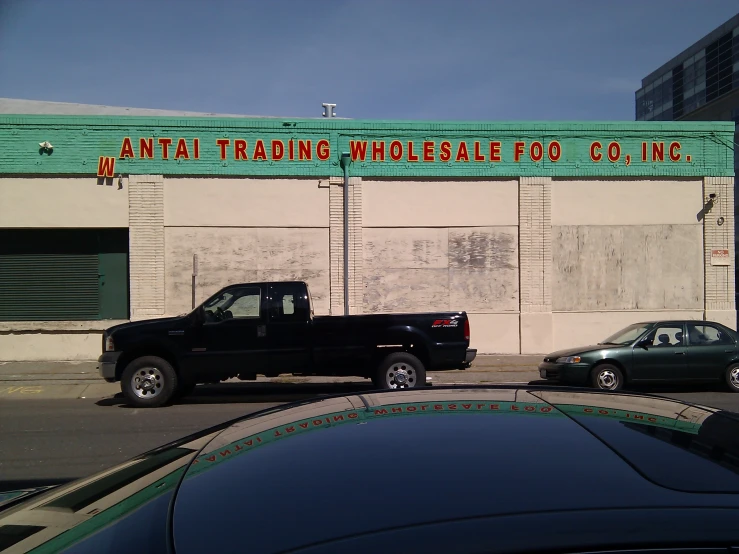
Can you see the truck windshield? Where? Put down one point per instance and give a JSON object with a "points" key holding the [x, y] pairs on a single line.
{"points": [[310, 300]]}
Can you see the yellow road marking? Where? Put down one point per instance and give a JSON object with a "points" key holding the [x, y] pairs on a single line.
{"points": [[21, 390]]}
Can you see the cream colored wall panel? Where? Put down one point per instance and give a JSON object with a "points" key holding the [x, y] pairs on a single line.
{"points": [[416, 248], [536, 332], [494, 333], [636, 267], [21, 347], [62, 202], [583, 328], [626, 202], [439, 203], [483, 290], [236, 202], [406, 290], [233, 255]]}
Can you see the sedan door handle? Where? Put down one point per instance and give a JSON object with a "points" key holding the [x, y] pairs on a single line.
{"points": [[729, 351], [679, 353]]}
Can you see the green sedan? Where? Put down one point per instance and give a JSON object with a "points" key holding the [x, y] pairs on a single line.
{"points": [[676, 351]]}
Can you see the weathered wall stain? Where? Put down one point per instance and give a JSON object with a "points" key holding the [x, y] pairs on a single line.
{"points": [[406, 290], [405, 248], [482, 247], [242, 255], [638, 267], [473, 269]]}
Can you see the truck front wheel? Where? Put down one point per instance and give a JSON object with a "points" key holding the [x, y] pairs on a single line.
{"points": [[400, 370], [149, 382]]}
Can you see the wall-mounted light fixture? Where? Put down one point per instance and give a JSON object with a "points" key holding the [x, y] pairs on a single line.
{"points": [[720, 221], [46, 146], [120, 181]]}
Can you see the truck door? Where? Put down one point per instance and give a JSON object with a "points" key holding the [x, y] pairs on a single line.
{"points": [[232, 339], [289, 328]]}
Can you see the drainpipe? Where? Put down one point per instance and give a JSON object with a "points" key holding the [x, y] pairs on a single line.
{"points": [[345, 161]]}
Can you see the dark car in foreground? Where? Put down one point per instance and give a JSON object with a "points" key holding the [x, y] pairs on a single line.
{"points": [[463, 470], [689, 351], [269, 329]]}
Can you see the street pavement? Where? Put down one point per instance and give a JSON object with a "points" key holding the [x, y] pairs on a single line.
{"points": [[57, 380], [58, 421]]}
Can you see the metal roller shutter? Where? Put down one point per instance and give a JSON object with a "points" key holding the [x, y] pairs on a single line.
{"points": [[49, 287], [63, 274]]}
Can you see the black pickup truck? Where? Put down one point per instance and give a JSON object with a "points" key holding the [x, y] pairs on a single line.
{"points": [[269, 329]]}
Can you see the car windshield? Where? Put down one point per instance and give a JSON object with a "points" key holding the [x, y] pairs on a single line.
{"points": [[627, 335]]}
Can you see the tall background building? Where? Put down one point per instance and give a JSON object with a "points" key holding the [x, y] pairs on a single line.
{"points": [[699, 84]]}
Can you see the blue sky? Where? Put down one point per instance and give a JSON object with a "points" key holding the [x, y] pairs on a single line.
{"points": [[380, 59]]}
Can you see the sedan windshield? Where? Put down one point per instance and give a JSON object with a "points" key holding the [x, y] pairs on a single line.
{"points": [[627, 335]]}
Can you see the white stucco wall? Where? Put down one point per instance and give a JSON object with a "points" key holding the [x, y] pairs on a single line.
{"points": [[62, 202], [228, 255], [435, 203], [238, 202], [44, 346], [626, 202], [624, 251], [432, 245]]}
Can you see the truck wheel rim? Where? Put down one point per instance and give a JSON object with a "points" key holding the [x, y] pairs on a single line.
{"points": [[147, 382], [607, 379], [401, 376], [734, 377]]}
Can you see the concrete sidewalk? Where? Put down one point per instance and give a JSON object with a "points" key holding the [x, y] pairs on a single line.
{"points": [[22, 380]]}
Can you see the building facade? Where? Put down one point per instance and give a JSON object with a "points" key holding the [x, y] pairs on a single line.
{"points": [[548, 234], [699, 84]]}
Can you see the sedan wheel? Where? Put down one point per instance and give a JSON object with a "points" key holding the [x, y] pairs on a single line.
{"points": [[732, 377], [607, 377]]}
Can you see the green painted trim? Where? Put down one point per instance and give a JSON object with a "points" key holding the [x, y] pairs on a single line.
{"points": [[79, 142], [210, 459]]}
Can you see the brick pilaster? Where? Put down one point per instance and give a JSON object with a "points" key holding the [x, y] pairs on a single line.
{"points": [[146, 245], [535, 270], [719, 279]]}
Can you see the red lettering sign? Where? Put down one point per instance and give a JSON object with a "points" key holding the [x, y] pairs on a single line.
{"points": [[106, 167]]}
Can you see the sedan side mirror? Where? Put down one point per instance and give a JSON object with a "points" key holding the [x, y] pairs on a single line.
{"points": [[644, 343]]}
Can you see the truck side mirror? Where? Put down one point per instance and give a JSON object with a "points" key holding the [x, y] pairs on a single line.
{"points": [[199, 315]]}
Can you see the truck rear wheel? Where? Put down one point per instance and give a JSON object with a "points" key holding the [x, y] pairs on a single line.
{"points": [[400, 370], [149, 382]]}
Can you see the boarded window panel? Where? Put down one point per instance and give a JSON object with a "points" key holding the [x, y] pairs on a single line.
{"points": [[49, 287]]}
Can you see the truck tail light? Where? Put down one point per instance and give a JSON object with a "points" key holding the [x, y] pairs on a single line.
{"points": [[466, 329]]}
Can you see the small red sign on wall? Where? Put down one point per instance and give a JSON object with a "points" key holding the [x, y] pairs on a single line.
{"points": [[720, 257]]}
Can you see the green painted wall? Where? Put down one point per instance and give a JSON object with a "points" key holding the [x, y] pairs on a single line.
{"points": [[705, 148]]}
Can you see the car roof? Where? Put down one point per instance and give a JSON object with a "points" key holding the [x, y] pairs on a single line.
{"points": [[678, 322], [366, 464], [439, 454]]}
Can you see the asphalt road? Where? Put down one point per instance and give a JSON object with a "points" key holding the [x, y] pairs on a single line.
{"points": [[50, 440]]}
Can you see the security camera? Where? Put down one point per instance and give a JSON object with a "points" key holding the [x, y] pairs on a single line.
{"points": [[712, 196]]}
